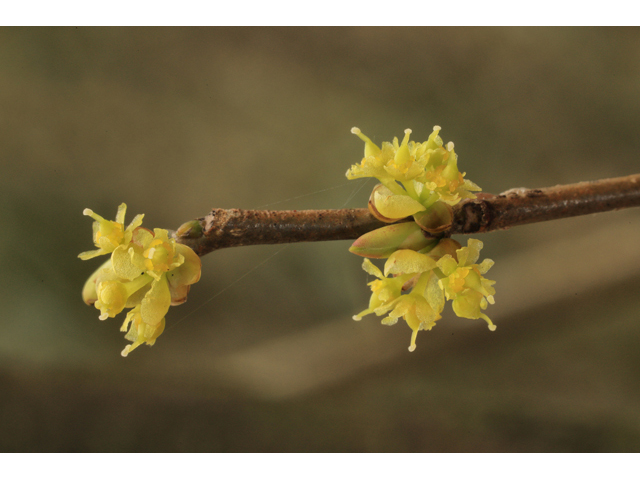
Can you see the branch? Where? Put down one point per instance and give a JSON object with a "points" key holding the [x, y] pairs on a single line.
{"points": [[233, 227]]}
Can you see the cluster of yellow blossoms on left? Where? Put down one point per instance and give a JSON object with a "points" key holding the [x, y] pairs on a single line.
{"points": [[147, 272]]}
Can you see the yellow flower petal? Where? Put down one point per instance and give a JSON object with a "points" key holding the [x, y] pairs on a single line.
{"points": [[91, 254], [408, 261], [434, 294], [371, 269], [188, 272], [89, 292], [469, 255], [122, 210], [123, 264], [396, 206], [156, 302]]}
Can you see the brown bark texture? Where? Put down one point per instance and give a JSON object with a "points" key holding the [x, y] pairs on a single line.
{"points": [[223, 228]]}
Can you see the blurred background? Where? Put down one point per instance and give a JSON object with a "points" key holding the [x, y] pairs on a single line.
{"points": [[265, 356]]}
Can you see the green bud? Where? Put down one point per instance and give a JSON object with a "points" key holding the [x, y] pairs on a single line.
{"points": [[381, 243], [192, 229]]}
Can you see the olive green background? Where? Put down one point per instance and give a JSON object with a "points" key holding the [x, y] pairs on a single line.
{"points": [[264, 356]]}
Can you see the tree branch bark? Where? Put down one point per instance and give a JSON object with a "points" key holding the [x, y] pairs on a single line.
{"points": [[223, 228]]}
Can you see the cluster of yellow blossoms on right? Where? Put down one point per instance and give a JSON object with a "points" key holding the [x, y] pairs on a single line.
{"points": [[422, 269]]}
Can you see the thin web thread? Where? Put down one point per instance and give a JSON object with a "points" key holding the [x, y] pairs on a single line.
{"points": [[227, 287], [303, 196], [354, 193], [266, 260]]}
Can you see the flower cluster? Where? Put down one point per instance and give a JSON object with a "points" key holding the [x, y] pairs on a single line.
{"points": [[421, 180], [463, 283], [421, 307], [147, 272], [419, 283], [413, 176]]}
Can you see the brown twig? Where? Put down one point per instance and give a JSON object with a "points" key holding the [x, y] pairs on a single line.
{"points": [[232, 228]]}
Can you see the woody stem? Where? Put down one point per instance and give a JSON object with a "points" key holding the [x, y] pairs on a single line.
{"points": [[223, 228]]}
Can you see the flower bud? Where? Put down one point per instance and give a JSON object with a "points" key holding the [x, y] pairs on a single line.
{"points": [[192, 229], [390, 207], [435, 219], [89, 292], [384, 241]]}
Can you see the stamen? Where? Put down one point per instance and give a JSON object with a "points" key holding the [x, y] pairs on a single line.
{"points": [[88, 212], [437, 128], [103, 316], [492, 327], [450, 146], [362, 136], [126, 351], [405, 140], [370, 148], [413, 340]]}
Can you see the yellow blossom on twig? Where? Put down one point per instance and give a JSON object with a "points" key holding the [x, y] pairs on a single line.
{"points": [[147, 272], [419, 180], [464, 283]]}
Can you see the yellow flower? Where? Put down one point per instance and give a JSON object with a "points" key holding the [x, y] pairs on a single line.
{"points": [[147, 272], [384, 291], [393, 162], [427, 172], [416, 311], [147, 318], [421, 180], [107, 234], [464, 283], [373, 162], [113, 293], [140, 332], [153, 253], [444, 179], [421, 307], [160, 254], [405, 166], [445, 270]]}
